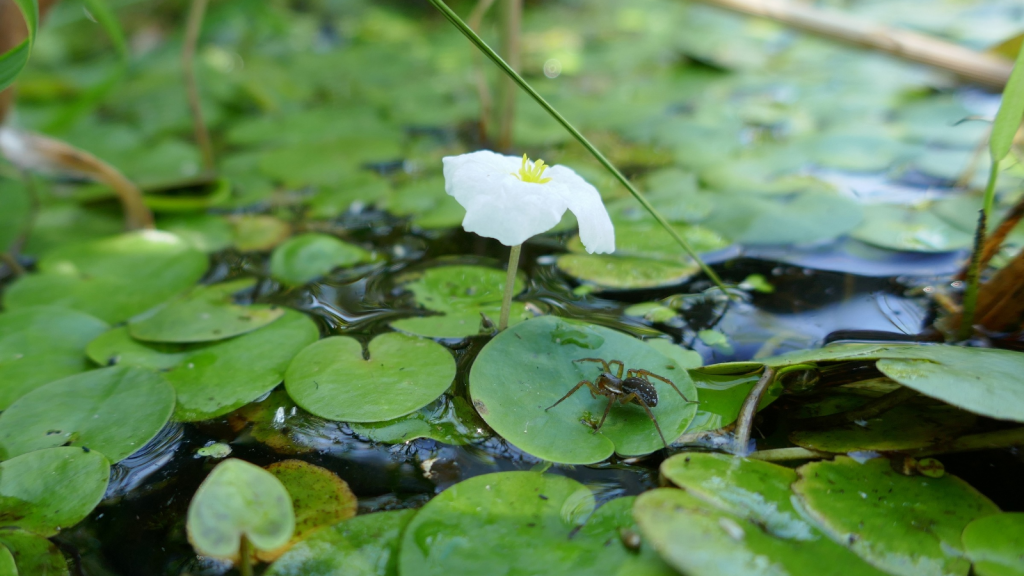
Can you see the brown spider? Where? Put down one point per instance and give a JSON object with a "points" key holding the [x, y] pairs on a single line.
{"points": [[635, 388]]}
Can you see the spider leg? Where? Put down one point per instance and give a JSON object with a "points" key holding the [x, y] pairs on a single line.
{"points": [[645, 374], [588, 383], [633, 396], [604, 364], [621, 367], [607, 409]]}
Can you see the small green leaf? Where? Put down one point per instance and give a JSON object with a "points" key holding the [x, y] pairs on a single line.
{"points": [[204, 314], [448, 420], [256, 233], [995, 544], [236, 500], [306, 257], [114, 411], [35, 494], [332, 379], [32, 554], [625, 272]]}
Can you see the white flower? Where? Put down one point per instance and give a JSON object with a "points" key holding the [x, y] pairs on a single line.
{"points": [[511, 199]]}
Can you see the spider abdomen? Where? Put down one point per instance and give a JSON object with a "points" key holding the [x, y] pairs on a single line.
{"points": [[642, 388]]}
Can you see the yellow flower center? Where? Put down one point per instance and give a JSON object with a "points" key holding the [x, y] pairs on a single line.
{"points": [[532, 171]]}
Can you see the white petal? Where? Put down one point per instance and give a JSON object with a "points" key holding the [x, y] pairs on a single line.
{"points": [[498, 205], [596, 230]]}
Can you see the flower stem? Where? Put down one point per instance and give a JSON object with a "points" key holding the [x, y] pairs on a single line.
{"points": [[245, 557], [970, 302], [490, 53], [510, 286], [188, 55]]}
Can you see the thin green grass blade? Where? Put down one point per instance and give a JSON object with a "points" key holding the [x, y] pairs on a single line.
{"points": [[14, 60], [490, 53], [1011, 112]]}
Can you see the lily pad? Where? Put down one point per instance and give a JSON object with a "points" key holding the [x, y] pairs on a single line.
{"points": [[625, 272], [647, 239], [34, 494], [802, 218], [995, 544], [527, 368], [114, 411], [40, 344], [363, 546], [204, 314], [460, 294], [237, 500], [685, 359], [722, 396], [332, 378], [32, 554], [899, 227], [284, 427], [306, 257], [550, 516], [319, 498], [906, 525], [255, 233], [212, 379], [449, 420], [206, 232], [910, 425], [111, 278], [652, 312]]}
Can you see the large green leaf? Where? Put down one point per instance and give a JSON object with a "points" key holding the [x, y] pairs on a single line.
{"points": [[46, 491], [214, 378], [527, 368], [32, 554], [332, 378]]}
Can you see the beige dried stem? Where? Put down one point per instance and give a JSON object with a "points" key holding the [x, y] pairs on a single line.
{"points": [[34, 152], [985, 69]]}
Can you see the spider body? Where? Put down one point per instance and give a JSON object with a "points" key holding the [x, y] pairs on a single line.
{"points": [[635, 388]]}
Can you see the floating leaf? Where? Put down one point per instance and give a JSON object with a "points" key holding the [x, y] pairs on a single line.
{"points": [[39, 344], [527, 368], [907, 426], [551, 516], [898, 227], [255, 233], [284, 427], [363, 546], [237, 500], [319, 498], [35, 494], [112, 278], [461, 294], [879, 514], [212, 379], [32, 554], [114, 411], [448, 420], [332, 379], [206, 232], [625, 272], [306, 257], [995, 544], [685, 359], [802, 218], [652, 312], [204, 314], [722, 396]]}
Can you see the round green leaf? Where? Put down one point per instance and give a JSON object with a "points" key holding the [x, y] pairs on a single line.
{"points": [[319, 499], [203, 314], [625, 272], [306, 257], [647, 239], [255, 232], [212, 379], [996, 544], [552, 517], [905, 525], [49, 490], [114, 411], [40, 344], [527, 368], [206, 232], [32, 554], [111, 278], [899, 227], [461, 295], [331, 378], [284, 427], [910, 425], [239, 499], [448, 420], [363, 546]]}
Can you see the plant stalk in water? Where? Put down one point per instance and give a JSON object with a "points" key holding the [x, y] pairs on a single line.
{"points": [[188, 57], [245, 557], [508, 70], [510, 282]]}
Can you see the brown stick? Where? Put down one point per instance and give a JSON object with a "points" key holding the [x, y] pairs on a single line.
{"points": [[188, 55], [745, 419], [985, 69], [34, 152]]}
